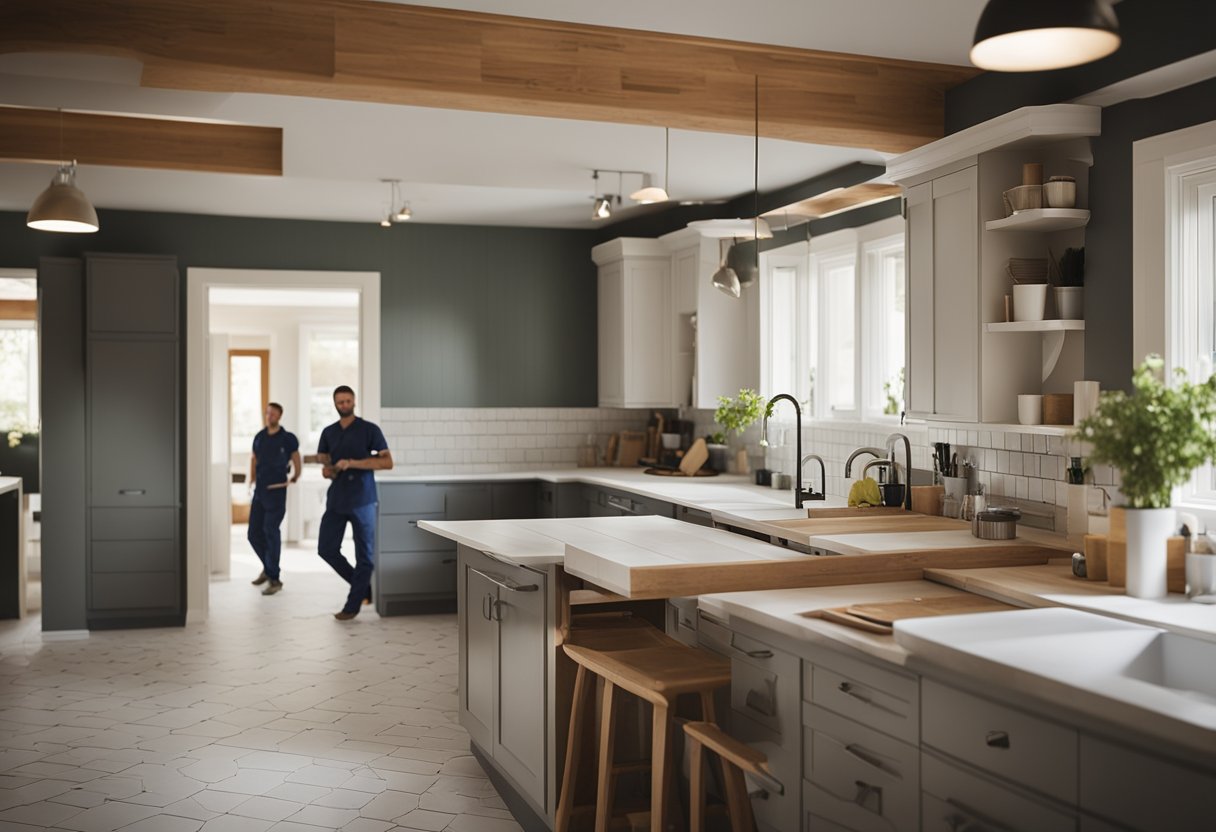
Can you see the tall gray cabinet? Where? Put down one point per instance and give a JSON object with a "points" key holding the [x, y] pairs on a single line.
{"points": [[133, 451]]}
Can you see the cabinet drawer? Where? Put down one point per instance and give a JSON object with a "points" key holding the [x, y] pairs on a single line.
{"points": [[882, 699], [133, 524], [417, 573], [954, 799], [411, 498], [682, 620], [400, 533], [1141, 791], [764, 681], [1005, 741], [134, 590], [773, 811], [858, 777], [813, 822], [135, 556]]}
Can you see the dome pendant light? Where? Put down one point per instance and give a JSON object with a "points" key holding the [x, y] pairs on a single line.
{"points": [[63, 207], [651, 194], [725, 279], [1033, 35]]}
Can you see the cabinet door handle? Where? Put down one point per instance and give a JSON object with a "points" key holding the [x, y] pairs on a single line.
{"points": [[848, 689], [997, 739], [868, 797], [485, 609], [762, 703], [132, 492], [448, 560], [505, 582], [496, 609], [411, 522]]}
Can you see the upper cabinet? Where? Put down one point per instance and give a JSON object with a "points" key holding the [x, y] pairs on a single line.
{"points": [[964, 362], [634, 309], [667, 337]]}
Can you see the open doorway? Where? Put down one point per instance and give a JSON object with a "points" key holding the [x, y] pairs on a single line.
{"points": [[20, 436], [266, 336]]}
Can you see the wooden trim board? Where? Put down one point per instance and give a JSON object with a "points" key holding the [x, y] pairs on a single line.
{"points": [[422, 56]]}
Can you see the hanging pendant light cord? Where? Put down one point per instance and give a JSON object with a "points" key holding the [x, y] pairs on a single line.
{"points": [[667, 160], [756, 177]]}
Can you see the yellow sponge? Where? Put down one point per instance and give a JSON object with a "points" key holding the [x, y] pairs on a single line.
{"points": [[865, 493]]}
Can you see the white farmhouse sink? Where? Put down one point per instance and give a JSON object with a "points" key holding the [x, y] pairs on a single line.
{"points": [[1139, 676]]}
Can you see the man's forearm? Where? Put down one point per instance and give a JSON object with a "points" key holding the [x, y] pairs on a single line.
{"points": [[384, 462]]}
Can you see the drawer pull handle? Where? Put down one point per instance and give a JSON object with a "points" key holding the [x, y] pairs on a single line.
{"points": [[848, 689], [689, 623], [505, 582], [871, 759], [868, 797], [411, 522], [132, 492], [448, 560], [752, 654], [969, 820], [997, 739]]}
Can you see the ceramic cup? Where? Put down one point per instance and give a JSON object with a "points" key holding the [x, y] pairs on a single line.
{"points": [[1030, 409], [1060, 194], [1029, 301]]}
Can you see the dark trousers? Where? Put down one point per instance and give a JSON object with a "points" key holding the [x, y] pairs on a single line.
{"points": [[265, 516], [329, 546]]}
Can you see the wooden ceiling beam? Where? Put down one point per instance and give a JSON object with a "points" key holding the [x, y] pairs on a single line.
{"points": [[422, 56], [31, 135]]}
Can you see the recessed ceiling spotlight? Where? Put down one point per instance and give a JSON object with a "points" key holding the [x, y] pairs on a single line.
{"points": [[1033, 35]]}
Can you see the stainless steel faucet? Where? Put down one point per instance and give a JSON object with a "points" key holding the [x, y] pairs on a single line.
{"points": [[877, 453], [799, 494], [823, 477], [890, 443]]}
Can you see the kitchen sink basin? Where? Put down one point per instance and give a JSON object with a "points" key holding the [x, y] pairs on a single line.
{"points": [[1183, 664]]}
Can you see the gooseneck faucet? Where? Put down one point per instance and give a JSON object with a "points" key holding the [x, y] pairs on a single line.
{"points": [[799, 494], [877, 453], [811, 494], [890, 443]]}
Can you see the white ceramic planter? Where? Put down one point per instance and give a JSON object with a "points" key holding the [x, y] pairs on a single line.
{"points": [[1029, 301], [1148, 529], [1070, 303]]}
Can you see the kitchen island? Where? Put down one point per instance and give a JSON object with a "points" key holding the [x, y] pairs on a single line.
{"points": [[803, 689]]}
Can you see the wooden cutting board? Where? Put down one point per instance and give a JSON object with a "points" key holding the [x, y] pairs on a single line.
{"points": [[879, 618], [802, 530], [696, 456], [633, 446]]}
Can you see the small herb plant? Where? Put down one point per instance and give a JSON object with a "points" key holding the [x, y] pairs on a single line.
{"points": [[1072, 267], [737, 414], [1157, 436]]}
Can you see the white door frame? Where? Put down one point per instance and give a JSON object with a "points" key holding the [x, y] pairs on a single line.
{"points": [[198, 410]]}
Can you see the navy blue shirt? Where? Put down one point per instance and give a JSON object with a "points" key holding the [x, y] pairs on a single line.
{"points": [[273, 452], [352, 488]]}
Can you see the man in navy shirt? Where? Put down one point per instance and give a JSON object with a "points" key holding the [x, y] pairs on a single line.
{"points": [[273, 449], [351, 449]]}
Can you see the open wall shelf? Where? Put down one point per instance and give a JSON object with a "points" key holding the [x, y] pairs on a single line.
{"points": [[1037, 326], [1041, 219]]}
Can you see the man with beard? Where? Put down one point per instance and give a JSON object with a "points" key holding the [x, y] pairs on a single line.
{"points": [[274, 450], [350, 450]]}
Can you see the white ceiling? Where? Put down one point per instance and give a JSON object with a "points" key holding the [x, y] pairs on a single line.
{"points": [[467, 167]]}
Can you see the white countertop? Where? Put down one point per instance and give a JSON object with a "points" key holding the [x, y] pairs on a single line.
{"points": [[9, 484], [1107, 667]]}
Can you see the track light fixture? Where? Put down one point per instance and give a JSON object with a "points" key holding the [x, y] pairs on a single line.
{"points": [[602, 208], [402, 214], [1031, 35]]}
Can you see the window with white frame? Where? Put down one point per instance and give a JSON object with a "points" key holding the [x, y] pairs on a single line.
{"points": [[1192, 214], [18, 360], [833, 323]]}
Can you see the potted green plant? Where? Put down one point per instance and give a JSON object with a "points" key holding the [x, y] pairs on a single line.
{"points": [[1070, 291], [737, 415], [1156, 436], [19, 454]]}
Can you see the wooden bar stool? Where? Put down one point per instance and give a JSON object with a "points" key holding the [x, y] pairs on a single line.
{"points": [[657, 673], [737, 758]]}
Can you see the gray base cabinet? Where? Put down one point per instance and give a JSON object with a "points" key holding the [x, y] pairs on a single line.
{"points": [[505, 636]]}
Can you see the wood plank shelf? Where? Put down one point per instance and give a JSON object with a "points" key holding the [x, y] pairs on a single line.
{"points": [[1037, 326], [1041, 219]]}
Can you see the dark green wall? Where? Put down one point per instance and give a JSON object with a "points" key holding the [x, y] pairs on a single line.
{"points": [[471, 316]]}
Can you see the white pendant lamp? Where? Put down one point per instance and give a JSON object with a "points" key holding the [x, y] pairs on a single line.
{"points": [[63, 207], [402, 214], [650, 194], [1034, 35]]}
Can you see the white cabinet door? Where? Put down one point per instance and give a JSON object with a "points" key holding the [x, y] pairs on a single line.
{"points": [[647, 333], [478, 656], [919, 258], [611, 315], [956, 325], [519, 724]]}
